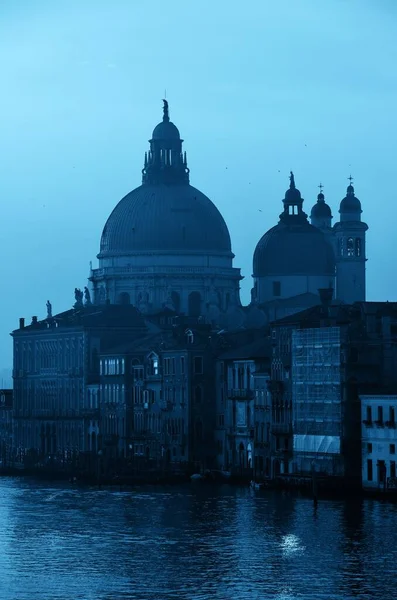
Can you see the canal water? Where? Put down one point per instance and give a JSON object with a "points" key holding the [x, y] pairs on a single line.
{"points": [[193, 542]]}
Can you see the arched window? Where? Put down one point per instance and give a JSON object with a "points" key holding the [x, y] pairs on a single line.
{"points": [[189, 336], [350, 247], [153, 367], [358, 247], [194, 304]]}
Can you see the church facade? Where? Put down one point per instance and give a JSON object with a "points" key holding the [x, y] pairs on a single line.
{"points": [[297, 257]]}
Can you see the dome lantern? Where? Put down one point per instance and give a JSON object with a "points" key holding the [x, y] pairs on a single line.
{"points": [[293, 201], [165, 162], [321, 215], [350, 206]]}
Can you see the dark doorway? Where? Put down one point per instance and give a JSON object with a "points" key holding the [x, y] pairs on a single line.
{"points": [[124, 299]]}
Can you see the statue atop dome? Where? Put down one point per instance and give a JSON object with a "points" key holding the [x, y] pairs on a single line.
{"points": [[166, 116]]}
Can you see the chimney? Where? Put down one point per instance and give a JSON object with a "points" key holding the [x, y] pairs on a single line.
{"points": [[21, 323], [34, 320]]}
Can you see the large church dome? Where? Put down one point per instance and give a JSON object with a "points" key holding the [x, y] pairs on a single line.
{"points": [[173, 218], [165, 246], [165, 215]]}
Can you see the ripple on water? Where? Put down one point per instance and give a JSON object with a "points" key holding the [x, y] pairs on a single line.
{"points": [[58, 542]]}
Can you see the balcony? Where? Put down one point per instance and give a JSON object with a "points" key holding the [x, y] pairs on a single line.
{"points": [[379, 423], [391, 424], [244, 394], [153, 376], [367, 423]]}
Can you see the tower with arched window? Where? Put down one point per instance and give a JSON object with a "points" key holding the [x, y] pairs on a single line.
{"points": [[350, 250]]}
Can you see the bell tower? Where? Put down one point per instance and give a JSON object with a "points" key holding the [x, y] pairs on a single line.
{"points": [[350, 249]]}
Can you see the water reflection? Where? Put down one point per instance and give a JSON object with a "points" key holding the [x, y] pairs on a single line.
{"points": [[192, 542]]}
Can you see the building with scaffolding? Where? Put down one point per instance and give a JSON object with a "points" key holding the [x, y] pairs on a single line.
{"points": [[317, 400]]}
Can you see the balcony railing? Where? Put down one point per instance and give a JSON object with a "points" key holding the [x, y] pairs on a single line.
{"points": [[90, 413], [367, 422]]}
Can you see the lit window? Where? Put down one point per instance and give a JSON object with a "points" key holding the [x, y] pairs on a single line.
{"points": [[189, 336]]}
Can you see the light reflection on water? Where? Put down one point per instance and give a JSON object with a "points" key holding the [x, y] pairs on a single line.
{"points": [[193, 542]]}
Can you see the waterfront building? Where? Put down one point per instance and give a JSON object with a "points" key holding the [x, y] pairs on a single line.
{"points": [[157, 397], [6, 426], [56, 365], [379, 441], [123, 373], [242, 415], [337, 352]]}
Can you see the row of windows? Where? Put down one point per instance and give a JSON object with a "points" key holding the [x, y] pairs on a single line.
{"points": [[170, 365], [392, 448], [240, 376], [381, 473], [62, 354], [112, 366], [116, 366], [113, 394], [379, 415]]}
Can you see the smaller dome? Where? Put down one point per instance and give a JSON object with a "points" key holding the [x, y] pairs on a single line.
{"points": [[350, 203], [300, 250], [166, 130], [321, 210]]}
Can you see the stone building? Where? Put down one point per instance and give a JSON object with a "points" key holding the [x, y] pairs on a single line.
{"points": [[242, 417], [297, 257], [56, 371], [6, 426], [157, 397], [379, 441], [330, 354]]}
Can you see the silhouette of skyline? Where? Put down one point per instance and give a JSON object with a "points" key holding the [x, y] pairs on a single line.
{"points": [[304, 86]]}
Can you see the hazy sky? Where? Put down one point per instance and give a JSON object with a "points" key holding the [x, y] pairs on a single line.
{"points": [[256, 88]]}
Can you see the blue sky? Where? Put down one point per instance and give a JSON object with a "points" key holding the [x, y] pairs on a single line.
{"points": [[256, 88]]}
